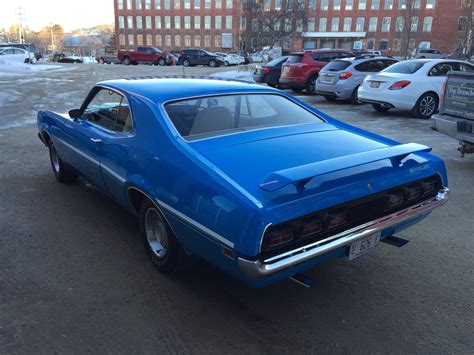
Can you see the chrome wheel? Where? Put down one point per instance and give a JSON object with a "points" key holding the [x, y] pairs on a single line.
{"points": [[55, 160], [427, 106], [155, 231]]}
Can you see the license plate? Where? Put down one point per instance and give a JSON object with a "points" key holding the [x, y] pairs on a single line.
{"points": [[286, 69], [374, 84], [364, 245], [327, 79]]}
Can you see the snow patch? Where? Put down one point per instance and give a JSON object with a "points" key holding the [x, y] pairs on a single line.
{"points": [[8, 66]]}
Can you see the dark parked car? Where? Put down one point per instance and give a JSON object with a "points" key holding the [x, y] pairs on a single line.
{"points": [[62, 58], [190, 57], [270, 72]]}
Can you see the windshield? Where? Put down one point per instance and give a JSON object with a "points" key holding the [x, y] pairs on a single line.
{"points": [[405, 67], [336, 65], [220, 115], [295, 58]]}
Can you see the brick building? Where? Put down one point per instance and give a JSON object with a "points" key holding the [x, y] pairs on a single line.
{"points": [[389, 25]]}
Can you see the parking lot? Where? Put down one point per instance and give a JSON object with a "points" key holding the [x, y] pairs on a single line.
{"points": [[74, 276]]}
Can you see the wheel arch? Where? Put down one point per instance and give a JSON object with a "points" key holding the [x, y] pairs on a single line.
{"points": [[426, 92]]}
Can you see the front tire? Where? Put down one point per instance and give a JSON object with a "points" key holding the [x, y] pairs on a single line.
{"points": [[426, 105], [380, 108], [126, 61], [62, 172], [186, 63], [311, 85], [161, 62], [160, 243], [212, 63]]}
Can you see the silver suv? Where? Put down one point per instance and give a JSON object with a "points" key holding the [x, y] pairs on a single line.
{"points": [[341, 78], [430, 54]]}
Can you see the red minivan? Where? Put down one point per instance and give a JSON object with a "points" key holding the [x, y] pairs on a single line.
{"points": [[302, 69]]}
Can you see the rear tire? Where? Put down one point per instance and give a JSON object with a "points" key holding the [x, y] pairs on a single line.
{"points": [[426, 106], [380, 108], [62, 172], [126, 60], [311, 85], [296, 89], [212, 63], [186, 63], [354, 97], [330, 98], [161, 62], [160, 243]]}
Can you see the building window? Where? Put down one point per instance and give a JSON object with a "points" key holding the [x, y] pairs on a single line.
{"points": [[138, 4], [158, 40], [197, 5], [148, 22], [228, 4], [254, 25], [168, 41], [139, 40], [397, 45], [129, 4], [177, 40], [228, 22], [187, 6], [287, 43], [218, 4], [373, 24], [388, 4], [121, 23], [277, 25], [278, 5], [414, 24], [400, 24], [121, 39], [416, 4], [360, 22], [207, 22], [337, 5], [130, 22], [218, 41], [375, 4], [383, 45], [427, 23], [158, 7], [167, 7], [335, 24], [386, 24], [120, 4], [430, 4], [148, 7], [266, 24], [462, 24], [288, 25], [158, 22], [177, 5], [299, 25], [197, 22], [207, 41], [349, 4], [197, 41], [187, 22], [402, 4], [362, 4], [311, 24], [139, 23], [148, 40], [168, 22], [243, 23], [130, 40], [311, 5], [187, 41], [207, 5], [347, 24], [412, 43], [323, 22], [324, 5], [371, 43]]}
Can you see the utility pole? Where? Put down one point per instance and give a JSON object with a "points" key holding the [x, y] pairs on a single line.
{"points": [[52, 37], [20, 17]]}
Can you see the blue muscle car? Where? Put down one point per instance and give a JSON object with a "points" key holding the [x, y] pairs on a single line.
{"points": [[246, 177]]}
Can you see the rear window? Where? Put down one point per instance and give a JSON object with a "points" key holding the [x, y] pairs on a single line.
{"points": [[295, 58], [277, 61], [337, 65], [405, 67], [220, 115]]}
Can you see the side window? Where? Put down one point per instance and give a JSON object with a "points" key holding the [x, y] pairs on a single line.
{"points": [[466, 67], [110, 111], [316, 57], [363, 67], [440, 69], [141, 50]]}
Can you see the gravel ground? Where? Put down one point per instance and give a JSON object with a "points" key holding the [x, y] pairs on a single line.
{"points": [[74, 276]]}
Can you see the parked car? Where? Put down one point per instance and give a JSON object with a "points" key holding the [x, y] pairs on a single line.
{"points": [[108, 56], [230, 59], [301, 69], [270, 72], [244, 54], [17, 55], [191, 57], [341, 78], [62, 58], [29, 47], [456, 116], [256, 57], [429, 54], [176, 152], [143, 55], [414, 85]]}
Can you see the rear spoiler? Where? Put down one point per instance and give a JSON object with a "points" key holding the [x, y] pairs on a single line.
{"points": [[302, 174]]}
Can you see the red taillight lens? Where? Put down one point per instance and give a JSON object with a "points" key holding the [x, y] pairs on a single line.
{"points": [[399, 85], [266, 70], [345, 75], [395, 199], [279, 236], [337, 219], [412, 192], [442, 95], [310, 227]]}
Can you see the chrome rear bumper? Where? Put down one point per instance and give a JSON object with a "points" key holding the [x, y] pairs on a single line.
{"points": [[256, 269]]}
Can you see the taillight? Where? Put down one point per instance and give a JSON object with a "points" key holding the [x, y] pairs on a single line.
{"points": [[279, 236], [399, 85], [345, 75], [428, 186], [310, 227], [412, 192], [266, 70], [395, 199], [337, 220]]}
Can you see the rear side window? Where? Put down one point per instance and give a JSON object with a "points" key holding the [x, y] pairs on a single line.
{"points": [[295, 58], [337, 65], [371, 66], [220, 115], [405, 67]]}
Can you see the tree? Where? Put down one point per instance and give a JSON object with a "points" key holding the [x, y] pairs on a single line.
{"points": [[410, 26], [468, 33], [272, 26]]}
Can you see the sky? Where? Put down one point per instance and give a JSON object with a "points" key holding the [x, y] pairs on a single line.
{"points": [[70, 14]]}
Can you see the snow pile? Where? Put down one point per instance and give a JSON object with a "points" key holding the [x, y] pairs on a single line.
{"points": [[236, 75], [11, 64]]}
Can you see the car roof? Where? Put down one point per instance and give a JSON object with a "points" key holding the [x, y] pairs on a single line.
{"points": [[21, 49], [160, 90], [320, 51]]}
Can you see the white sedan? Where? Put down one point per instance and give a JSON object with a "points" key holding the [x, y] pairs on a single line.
{"points": [[414, 85], [17, 55], [231, 59]]}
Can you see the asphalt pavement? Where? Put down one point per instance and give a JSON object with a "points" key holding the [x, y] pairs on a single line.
{"points": [[75, 278]]}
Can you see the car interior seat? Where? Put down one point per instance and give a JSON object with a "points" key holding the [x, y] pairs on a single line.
{"points": [[211, 119]]}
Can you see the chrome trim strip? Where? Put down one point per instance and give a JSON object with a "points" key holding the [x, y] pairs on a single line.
{"points": [[255, 269], [113, 173], [78, 151], [196, 224]]}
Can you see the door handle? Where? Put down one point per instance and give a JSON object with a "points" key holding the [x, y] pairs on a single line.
{"points": [[96, 140]]}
